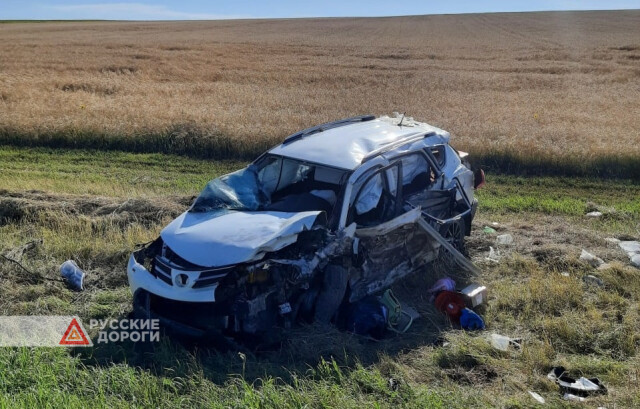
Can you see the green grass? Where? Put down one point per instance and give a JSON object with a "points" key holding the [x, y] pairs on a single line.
{"points": [[106, 173], [591, 330], [189, 140], [561, 195]]}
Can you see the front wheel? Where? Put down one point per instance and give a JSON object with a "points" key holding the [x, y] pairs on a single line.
{"points": [[334, 287]]}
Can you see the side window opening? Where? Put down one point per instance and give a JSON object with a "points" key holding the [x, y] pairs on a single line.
{"points": [[417, 174], [377, 200], [439, 154]]}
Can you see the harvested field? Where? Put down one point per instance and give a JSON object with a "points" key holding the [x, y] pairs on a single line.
{"points": [[530, 92]]}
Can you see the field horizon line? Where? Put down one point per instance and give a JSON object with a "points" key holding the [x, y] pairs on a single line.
{"points": [[223, 147]]}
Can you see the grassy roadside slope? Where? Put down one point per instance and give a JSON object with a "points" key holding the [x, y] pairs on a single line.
{"points": [[592, 330]]}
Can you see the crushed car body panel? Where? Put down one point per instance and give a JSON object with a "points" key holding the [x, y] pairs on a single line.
{"points": [[393, 250], [214, 240], [365, 137]]}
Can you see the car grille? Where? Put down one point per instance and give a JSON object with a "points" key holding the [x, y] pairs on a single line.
{"points": [[209, 277]]}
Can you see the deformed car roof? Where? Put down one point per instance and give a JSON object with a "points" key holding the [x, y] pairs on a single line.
{"points": [[347, 145]]}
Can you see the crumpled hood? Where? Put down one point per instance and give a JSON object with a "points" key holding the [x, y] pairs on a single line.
{"points": [[213, 239]]}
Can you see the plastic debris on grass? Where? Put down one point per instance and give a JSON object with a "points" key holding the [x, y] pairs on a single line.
{"points": [[504, 239], [576, 389], [73, 274]]}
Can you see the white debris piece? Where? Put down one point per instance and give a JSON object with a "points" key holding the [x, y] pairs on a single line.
{"points": [[504, 343], [632, 248], [591, 259], [505, 239], [571, 396], [493, 256], [594, 214], [536, 397]]}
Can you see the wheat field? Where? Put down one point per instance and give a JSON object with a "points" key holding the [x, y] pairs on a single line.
{"points": [[548, 88]]}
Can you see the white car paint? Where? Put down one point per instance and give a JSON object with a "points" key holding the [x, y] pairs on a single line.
{"points": [[354, 141], [140, 278], [212, 239]]}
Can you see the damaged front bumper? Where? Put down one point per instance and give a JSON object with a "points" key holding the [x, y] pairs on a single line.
{"points": [[181, 288]]}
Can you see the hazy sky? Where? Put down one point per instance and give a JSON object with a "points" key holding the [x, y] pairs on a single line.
{"points": [[204, 10]]}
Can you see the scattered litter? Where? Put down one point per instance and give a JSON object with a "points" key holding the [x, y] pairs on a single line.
{"points": [[470, 320], [632, 248], [612, 240], [564, 274], [495, 224], [368, 317], [594, 214], [505, 239], [488, 230], [591, 279], [570, 396], [503, 343], [576, 389], [398, 319], [72, 273], [591, 259], [537, 397], [493, 256], [451, 304], [443, 284], [474, 295]]}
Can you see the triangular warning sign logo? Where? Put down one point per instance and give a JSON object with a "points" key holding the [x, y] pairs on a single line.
{"points": [[75, 335]]}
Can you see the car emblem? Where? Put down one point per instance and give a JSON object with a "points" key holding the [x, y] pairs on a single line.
{"points": [[181, 280]]}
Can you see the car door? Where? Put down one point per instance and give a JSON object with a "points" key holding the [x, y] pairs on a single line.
{"points": [[387, 236]]}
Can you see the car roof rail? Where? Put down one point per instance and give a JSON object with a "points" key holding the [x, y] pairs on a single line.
{"points": [[396, 144], [327, 126]]}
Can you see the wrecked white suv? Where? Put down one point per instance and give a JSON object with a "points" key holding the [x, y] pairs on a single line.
{"points": [[335, 213]]}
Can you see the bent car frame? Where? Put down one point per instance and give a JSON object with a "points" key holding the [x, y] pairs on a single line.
{"points": [[335, 213]]}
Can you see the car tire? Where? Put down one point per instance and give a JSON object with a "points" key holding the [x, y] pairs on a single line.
{"points": [[334, 287], [454, 233]]}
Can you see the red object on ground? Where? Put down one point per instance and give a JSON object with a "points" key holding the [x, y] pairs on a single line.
{"points": [[451, 304]]}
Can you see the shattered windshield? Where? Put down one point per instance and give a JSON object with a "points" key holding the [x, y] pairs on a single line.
{"points": [[240, 190], [273, 183]]}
